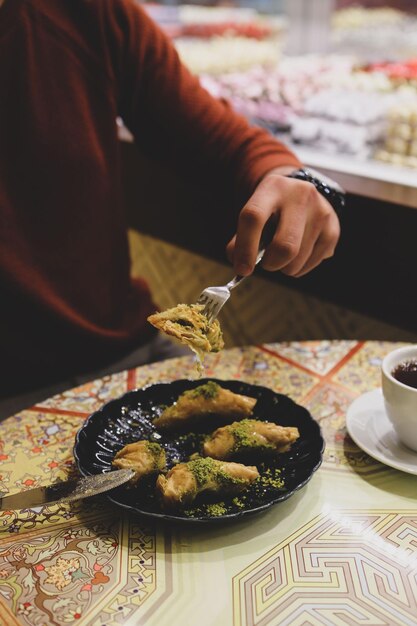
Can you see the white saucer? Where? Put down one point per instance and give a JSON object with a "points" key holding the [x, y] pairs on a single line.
{"points": [[369, 427]]}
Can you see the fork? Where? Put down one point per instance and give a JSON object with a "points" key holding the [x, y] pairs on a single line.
{"points": [[214, 298]]}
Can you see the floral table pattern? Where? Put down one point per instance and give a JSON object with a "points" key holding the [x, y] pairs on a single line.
{"points": [[343, 550]]}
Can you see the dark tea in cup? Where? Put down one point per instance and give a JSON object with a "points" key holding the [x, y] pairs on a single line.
{"points": [[399, 387], [406, 373]]}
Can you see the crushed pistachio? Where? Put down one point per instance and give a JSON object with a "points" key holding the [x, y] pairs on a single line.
{"points": [[216, 509], [208, 390], [238, 503], [245, 437], [271, 478], [188, 324], [206, 469], [157, 452], [202, 469], [191, 512]]}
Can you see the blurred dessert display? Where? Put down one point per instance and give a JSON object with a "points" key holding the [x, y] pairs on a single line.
{"points": [[323, 102], [224, 39], [373, 32], [217, 55], [400, 145], [357, 100], [220, 39], [351, 115], [342, 121], [200, 21], [399, 72], [257, 94], [274, 95], [355, 17]]}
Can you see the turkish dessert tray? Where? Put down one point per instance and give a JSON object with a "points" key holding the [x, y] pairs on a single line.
{"points": [[203, 450]]}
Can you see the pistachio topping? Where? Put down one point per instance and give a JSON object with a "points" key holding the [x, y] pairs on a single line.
{"points": [[245, 436], [188, 324], [157, 452], [216, 509], [206, 469], [271, 478], [238, 502], [208, 390]]}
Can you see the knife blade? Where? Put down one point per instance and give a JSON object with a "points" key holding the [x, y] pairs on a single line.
{"points": [[66, 491]]}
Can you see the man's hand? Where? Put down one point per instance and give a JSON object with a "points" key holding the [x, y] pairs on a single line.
{"points": [[307, 229]]}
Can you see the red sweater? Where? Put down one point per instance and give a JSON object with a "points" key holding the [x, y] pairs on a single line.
{"points": [[68, 68]]}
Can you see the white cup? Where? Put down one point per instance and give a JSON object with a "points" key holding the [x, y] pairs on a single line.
{"points": [[400, 400]]}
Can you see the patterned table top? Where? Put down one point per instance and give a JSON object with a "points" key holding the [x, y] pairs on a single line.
{"points": [[341, 551]]}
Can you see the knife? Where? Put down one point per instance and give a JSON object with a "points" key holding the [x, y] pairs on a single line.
{"points": [[66, 491]]}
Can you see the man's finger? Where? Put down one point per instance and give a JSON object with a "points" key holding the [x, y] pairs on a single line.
{"points": [[252, 219], [323, 249]]}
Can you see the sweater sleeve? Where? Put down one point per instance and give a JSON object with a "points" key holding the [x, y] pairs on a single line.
{"points": [[175, 120]]}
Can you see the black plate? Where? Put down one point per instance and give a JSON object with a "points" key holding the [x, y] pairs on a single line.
{"points": [[129, 418]]}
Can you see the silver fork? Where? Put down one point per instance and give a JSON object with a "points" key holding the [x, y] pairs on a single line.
{"points": [[214, 298]]}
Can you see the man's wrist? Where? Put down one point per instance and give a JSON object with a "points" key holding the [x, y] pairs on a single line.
{"points": [[328, 188]]}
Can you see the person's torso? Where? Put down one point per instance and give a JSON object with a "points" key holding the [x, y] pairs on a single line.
{"points": [[63, 246]]}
